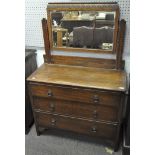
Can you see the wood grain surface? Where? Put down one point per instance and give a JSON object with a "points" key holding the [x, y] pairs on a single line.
{"points": [[80, 76]]}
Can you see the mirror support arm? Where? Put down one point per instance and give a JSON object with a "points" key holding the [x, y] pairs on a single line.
{"points": [[46, 41], [120, 44]]}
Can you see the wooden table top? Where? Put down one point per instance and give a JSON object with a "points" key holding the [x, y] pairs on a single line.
{"points": [[87, 77]]}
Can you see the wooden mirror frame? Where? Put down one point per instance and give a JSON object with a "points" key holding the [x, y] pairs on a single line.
{"points": [[83, 7]]}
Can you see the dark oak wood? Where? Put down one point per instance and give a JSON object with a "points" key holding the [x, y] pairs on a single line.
{"points": [[77, 94], [46, 39], [70, 75], [120, 44], [35, 118], [84, 61], [57, 91], [77, 125], [80, 94], [77, 109]]}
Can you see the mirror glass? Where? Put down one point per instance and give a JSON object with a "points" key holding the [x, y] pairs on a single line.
{"points": [[83, 29]]}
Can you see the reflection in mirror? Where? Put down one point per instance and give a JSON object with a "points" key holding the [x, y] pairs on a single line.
{"points": [[83, 29]]}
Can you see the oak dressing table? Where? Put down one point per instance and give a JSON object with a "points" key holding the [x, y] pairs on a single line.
{"points": [[75, 93]]}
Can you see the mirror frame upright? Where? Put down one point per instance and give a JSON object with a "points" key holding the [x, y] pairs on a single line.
{"points": [[83, 7]]}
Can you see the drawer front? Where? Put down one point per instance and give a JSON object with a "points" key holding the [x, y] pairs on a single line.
{"points": [[77, 94], [77, 125], [76, 109], [52, 105], [106, 113], [64, 107]]}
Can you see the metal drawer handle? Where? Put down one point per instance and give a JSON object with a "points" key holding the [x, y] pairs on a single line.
{"points": [[53, 122], [49, 93], [95, 113], [52, 106], [96, 99], [93, 129]]}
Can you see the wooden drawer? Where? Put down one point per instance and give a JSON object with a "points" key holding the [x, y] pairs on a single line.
{"points": [[77, 125], [94, 112], [52, 105], [77, 94], [107, 113], [76, 109]]}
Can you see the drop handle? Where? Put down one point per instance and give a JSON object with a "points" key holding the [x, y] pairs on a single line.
{"points": [[49, 93], [53, 121], [93, 129]]}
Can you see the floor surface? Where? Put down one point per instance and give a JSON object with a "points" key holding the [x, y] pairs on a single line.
{"points": [[62, 143]]}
